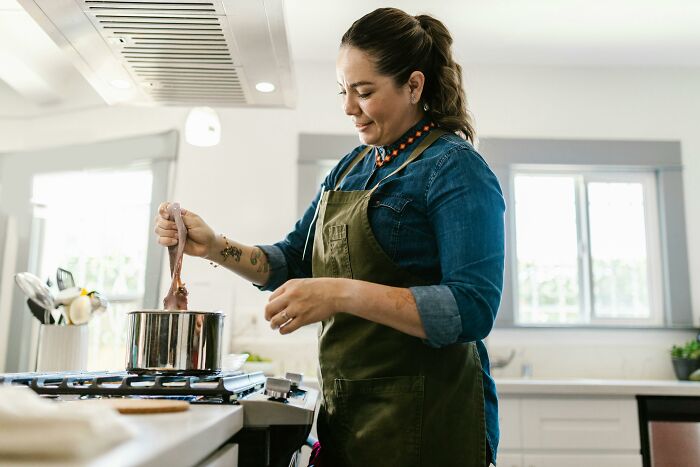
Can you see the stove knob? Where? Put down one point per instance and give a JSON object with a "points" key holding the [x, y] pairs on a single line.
{"points": [[295, 378], [277, 388]]}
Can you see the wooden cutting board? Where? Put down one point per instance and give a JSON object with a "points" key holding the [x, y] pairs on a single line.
{"points": [[143, 406]]}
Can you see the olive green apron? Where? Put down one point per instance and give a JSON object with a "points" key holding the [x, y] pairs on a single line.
{"points": [[388, 398]]}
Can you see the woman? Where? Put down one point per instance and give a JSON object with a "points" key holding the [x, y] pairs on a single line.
{"points": [[399, 256]]}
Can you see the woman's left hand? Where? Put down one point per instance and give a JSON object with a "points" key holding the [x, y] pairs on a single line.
{"points": [[302, 301]]}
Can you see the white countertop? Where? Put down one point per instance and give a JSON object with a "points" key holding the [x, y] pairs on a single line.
{"points": [[172, 439], [596, 387]]}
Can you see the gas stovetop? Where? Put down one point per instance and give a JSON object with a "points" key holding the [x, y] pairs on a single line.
{"points": [[225, 387], [277, 412]]}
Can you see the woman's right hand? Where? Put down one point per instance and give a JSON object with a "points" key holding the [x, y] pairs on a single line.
{"points": [[200, 237]]}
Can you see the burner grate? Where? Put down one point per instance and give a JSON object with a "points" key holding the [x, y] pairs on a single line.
{"points": [[219, 387]]}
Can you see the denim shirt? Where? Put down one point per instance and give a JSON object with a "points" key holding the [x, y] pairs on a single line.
{"points": [[442, 219]]}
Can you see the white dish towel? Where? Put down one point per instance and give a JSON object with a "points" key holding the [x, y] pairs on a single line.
{"points": [[35, 427]]}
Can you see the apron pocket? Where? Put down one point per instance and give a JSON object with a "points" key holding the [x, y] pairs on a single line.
{"points": [[338, 260], [379, 420]]}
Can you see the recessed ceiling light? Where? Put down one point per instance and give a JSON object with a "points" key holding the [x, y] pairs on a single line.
{"points": [[120, 83], [265, 87]]}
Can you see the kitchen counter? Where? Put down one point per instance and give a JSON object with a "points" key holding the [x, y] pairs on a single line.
{"points": [[596, 387], [172, 439]]}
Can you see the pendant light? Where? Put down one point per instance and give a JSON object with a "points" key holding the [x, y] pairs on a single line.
{"points": [[202, 127]]}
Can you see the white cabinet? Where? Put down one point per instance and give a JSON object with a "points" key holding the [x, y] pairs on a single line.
{"points": [[575, 423], [225, 456], [581, 460], [569, 431], [510, 460], [509, 421]]}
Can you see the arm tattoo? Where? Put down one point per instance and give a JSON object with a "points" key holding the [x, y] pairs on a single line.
{"points": [[232, 251], [257, 254]]}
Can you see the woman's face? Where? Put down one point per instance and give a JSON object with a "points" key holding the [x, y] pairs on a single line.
{"points": [[380, 110]]}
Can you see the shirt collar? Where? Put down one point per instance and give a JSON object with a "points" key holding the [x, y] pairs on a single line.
{"points": [[383, 150]]}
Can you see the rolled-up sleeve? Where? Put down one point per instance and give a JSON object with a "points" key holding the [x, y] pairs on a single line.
{"points": [[439, 314], [465, 207], [278, 267]]}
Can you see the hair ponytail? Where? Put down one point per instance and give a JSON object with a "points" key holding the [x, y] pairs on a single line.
{"points": [[444, 93]]}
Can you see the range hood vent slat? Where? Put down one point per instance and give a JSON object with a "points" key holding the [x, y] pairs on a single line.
{"points": [[186, 56], [174, 52]]}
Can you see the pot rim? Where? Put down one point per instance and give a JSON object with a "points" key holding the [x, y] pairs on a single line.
{"points": [[196, 312]]}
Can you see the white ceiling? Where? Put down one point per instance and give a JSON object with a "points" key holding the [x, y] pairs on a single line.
{"points": [[38, 79], [535, 32], [35, 76]]}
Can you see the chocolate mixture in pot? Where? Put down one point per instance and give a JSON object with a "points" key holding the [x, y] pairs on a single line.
{"points": [[177, 295]]}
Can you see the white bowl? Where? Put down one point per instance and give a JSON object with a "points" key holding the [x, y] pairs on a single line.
{"points": [[233, 361]]}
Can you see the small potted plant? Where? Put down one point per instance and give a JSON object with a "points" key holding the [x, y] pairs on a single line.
{"points": [[686, 359]]}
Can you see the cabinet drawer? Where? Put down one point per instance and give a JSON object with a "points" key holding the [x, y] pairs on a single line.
{"points": [[580, 423], [510, 460], [225, 456], [581, 460], [509, 422]]}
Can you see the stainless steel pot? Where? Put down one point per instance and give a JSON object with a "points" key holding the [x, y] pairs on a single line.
{"points": [[174, 341]]}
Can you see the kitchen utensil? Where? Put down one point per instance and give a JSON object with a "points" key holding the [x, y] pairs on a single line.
{"points": [[57, 315], [61, 316], [174, 341], [35, 290], [64, 279], [80, 310], [44, 316], [99, 303], [66, 296]]}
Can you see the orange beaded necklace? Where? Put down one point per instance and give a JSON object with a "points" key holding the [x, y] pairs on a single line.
{"points": [[393, 153]]}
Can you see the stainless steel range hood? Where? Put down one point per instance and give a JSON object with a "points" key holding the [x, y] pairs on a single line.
{"points": [[192, 52]]}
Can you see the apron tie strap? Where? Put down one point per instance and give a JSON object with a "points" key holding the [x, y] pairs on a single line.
{"points": [[427, 141]]}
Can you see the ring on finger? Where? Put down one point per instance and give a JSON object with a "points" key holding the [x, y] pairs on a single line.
{"points": [[285, 316]]}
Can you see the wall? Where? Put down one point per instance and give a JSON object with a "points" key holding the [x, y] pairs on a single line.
{"points": [[634, 104], [11, 132], [246, 186]]}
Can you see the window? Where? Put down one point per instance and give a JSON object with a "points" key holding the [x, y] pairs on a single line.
{"points": [[96, 225], [587, 248], [88, 194]]}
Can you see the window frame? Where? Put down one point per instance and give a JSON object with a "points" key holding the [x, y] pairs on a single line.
{"points": [[159, 151], [653, 245], [582, 177], [513, 257], [663, 158]]}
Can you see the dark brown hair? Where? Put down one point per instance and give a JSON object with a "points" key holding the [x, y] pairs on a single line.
{"points": [[400, 44]]}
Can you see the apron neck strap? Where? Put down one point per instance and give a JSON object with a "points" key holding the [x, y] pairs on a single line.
{"points": [[352, 164], [427, 141]]}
